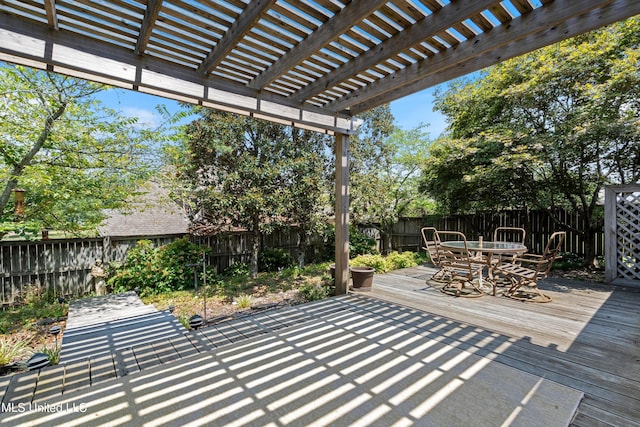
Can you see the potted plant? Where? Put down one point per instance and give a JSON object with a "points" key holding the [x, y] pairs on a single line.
{"points": [[362, 277]]}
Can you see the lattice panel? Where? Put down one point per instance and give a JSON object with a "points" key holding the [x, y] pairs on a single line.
{"points": [[628, 235]]}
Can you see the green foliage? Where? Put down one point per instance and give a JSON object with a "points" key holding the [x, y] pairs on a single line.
{"points": [[568, 261], [237, 269], [390, 189], [73, 157], [260, 175], [184, 320], [360, 243], [38, 305], [393, 261], [274, 259], [314, 292], [397, 260], [243, 301], [11, 348], [544, 130], [53, 353], [157, 270], [368, 260], [291, 272]]}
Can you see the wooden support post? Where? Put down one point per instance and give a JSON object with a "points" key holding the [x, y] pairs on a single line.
{"points": [[342, 213]]}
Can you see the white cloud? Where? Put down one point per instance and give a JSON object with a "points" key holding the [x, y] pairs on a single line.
{"points": [[146, 118]]}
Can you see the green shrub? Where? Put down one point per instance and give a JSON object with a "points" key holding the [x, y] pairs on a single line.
{"points": [[243, 301], [237, 269], [393, 261], [568, 261], [360, 243], [314, 292], [53, 353], [157, 270], [375, 261], [396, 260], [274, 259], [291, 272], [11, 348]]}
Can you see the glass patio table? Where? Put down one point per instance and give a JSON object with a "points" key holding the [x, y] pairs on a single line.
{"points": [[488, 249]]}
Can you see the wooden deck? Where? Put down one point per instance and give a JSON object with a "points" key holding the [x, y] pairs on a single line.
{"points": [[587, 338]]}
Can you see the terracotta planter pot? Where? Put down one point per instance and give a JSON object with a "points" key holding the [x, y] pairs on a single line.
{"points": [[362, 277]]}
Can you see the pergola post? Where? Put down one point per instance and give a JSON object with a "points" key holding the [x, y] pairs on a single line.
{"points": [[342, 213]]}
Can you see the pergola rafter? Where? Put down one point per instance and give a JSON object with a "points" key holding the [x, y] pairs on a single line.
{"points": [[312, 64]]}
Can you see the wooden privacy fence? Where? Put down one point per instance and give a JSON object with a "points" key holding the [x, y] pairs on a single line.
{"points": [[63, 267], [539, 226]]}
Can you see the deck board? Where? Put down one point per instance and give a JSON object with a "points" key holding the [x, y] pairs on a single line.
{"points": [[587, 338]]}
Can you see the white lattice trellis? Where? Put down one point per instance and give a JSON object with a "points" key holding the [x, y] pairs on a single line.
{"points": [[622, 234]]}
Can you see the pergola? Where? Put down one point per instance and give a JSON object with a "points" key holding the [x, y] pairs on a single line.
{"points": [[313, 64]]}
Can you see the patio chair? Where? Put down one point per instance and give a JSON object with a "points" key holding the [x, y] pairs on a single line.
{"points": [[431, 244], [507, 234], [459, 266], [525, 271]]}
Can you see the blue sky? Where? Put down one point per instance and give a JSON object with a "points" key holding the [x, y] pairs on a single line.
{"points": [[409, 111]]}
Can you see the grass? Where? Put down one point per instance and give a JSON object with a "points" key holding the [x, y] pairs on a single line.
{"points": [[11, 348], [243, 301]]}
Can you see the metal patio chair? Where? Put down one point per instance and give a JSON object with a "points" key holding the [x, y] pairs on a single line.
{"points": [[524, 272], [430, 244], [459, 266]]}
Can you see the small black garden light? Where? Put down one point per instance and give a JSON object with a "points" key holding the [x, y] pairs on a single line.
{"points": [[196, 321], [55, 330], [37, 361]]}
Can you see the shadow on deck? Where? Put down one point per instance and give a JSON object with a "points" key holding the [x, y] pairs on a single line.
{"points": [[587, 338]]}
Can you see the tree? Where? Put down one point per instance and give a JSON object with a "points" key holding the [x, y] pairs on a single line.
{"points": [[73, 157], [556, 125], [392, 185], [307, 185], [253, 175]]}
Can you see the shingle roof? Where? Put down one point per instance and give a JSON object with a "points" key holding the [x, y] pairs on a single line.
{"points": [[152, 214]]}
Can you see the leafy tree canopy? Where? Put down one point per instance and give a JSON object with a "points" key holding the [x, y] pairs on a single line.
{"points": [[71, 156], [254, 175], [546, 129]]}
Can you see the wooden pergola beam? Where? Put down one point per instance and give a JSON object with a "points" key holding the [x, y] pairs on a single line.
{"points": [[342, 213], [150, 16], [558, 21], [427, 27], [52, 14], [240, 27], [337, 25], [83, 57]]}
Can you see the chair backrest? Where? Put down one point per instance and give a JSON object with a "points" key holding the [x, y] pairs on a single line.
{"points": [[509, 234], [458, 259], [554, 245], [430, 243]]}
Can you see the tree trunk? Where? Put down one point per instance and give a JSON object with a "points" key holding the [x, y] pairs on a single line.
{"points": [[384, 242], [302, 247], [590, 248], [255, 250]]}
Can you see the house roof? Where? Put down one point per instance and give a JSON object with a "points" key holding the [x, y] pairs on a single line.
{"points": [[152, 214], [308, 63]]}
